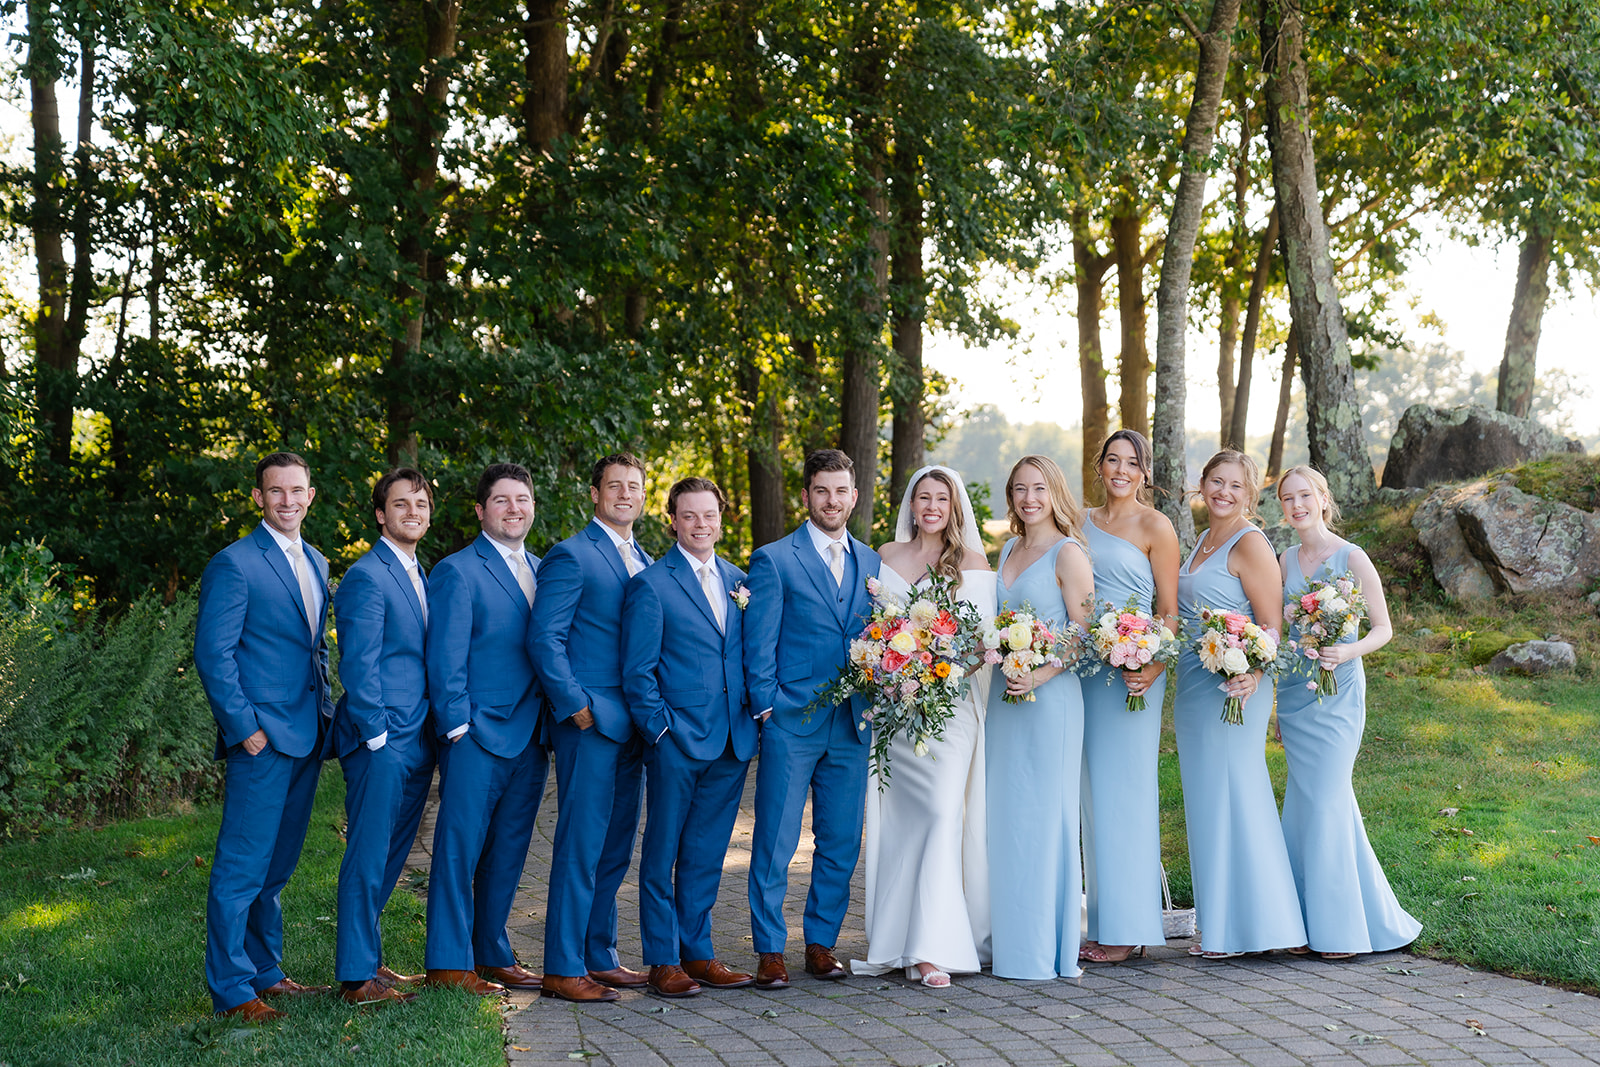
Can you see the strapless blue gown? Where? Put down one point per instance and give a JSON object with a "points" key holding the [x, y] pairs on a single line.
{"points": [[1244, 891], [1033, 755], [1121, 796], [1344, 897]]}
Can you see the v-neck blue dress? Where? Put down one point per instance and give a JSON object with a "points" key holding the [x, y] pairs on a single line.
{"points": [[1034, 751], [1344, 897], [1121, 796], [1244, 893]]}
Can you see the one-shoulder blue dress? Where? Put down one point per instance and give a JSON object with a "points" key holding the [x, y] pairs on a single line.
{"points": [[1344, 897], [1121, 796], [1034, 751], [1244, 894]]}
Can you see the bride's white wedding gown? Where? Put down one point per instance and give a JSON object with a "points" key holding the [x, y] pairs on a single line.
{"points": [[927, 864]]}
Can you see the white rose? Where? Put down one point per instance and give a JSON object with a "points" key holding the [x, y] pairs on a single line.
{"points": [[904, 642], [1337, 605], [1325, 593], [1234, 661], [1019, 634], [990, 638], [956, 672]]}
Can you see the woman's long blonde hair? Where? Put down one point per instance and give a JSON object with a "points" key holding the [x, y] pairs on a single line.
{"points": [[1064, 509], [954, 552]]}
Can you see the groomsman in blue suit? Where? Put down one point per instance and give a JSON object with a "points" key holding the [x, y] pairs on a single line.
{"points": [[380, 728], [260, 652], [492, 761], [807, 600], [683, 674], [577, 642]]}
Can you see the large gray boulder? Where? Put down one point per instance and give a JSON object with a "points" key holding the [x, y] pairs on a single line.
{"points": [[1534, 658], [1450, 444], [1490, 537]]}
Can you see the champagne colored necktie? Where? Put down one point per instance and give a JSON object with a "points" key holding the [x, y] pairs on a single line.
{"points": [[524, 573], [836, 562], [630, 558], [713, 590], [302, 574], [422, 594]]}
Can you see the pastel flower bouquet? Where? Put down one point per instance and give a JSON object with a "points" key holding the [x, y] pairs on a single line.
{"points": [[911, 663], [1129, 639], [1017, 641], [1326, 613], [1229, 644]]}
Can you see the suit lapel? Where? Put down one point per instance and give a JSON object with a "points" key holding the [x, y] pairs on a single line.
{"points": [[397, 571], [279, 563], [811, 562], [497, 566], [730, 609], [603, 545], [683, 570]]}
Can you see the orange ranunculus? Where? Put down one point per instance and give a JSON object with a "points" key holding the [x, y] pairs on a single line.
{"points": [[876, 633]]}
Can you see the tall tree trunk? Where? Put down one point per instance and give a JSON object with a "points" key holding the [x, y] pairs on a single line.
{"points": [[55, 384], [909, 304], [419, 122], [545, 69], [1280, 425], [1228, 329], [1089, 268], [1177, 262], [859, 393], [1515, 393], [1235, 435], [1333, 411], [764, 458], [1126, 244]]}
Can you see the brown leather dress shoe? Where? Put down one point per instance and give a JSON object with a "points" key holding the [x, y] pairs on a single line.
{"points": [[771, 973], [716, 974], [288, 987], [621, 978], [394, 978], [515, 976], [254, 1010], [374, 991], [669, 980], [579, 989], [820, 961], [447, 979]]}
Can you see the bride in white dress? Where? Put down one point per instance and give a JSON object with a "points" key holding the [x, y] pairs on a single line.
{"points": [[927, 865]]}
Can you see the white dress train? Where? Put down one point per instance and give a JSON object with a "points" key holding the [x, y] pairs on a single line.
{"points": [[926, 860]]}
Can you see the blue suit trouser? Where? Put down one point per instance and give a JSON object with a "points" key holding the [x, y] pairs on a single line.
{"points": [[691, 806], [384, 794], [830, 763], [487, 808], [266, 808], [598, 782]]}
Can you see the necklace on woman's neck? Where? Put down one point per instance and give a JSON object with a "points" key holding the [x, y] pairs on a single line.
{"points": [[1204, 551]]}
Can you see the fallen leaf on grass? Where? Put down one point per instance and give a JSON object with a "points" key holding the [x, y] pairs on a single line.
{"points": [[1593, 839], [199, 861], [1449, 812]]}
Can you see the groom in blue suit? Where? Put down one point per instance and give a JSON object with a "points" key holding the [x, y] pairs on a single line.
{"points": [[260, 652], [683, 674], [492, 761], [808, 599], [576, 643], [380, 728]]}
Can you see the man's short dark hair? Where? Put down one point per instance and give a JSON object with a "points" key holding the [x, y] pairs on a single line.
{"points": [[281, 459], [413, 479], [826, 459], [616, 459], [694, 485], [495, 472]]}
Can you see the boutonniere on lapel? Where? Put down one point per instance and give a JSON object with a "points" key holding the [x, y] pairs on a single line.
{"points": [[740, 594]]}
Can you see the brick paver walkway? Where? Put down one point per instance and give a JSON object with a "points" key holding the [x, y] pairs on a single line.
{"points": [[1169, 1009]]}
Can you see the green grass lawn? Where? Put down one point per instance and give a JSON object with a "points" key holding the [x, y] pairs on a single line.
{"points": [[101, 936], [1511, 880]]}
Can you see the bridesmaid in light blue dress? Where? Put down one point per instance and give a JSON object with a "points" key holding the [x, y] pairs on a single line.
{"points": [[1244, 891], [1035, 748], [1345, 899], [1135, 554]]}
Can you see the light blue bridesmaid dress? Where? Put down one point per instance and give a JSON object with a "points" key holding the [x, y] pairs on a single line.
{"points": [[1121, 797], [1244, 892], [1034, 752], [1344, 897]]}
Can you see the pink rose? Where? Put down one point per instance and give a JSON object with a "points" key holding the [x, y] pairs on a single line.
{"points": [[1235, 623], [1132, 624], [893, 661], [944, 624]]}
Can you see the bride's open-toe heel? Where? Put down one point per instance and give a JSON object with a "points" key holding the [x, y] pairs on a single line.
{"points": [[935, 980]]}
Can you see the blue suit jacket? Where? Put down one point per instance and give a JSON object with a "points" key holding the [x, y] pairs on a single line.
{"points": [[576, 633], [381, 643], [799, 625], [479, 671], [679, 672], [262, 664]]}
